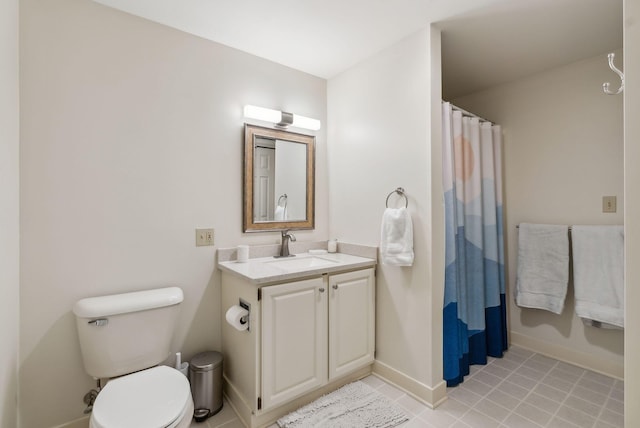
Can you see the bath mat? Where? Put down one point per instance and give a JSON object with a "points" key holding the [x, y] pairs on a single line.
{"points": [[354, 405]]}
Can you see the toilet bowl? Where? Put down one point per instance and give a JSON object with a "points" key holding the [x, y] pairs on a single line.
{"points": [[158, 397]]}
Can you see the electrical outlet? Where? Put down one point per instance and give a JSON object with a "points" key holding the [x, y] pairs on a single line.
{"points": [[609, 204], [204, 237]]}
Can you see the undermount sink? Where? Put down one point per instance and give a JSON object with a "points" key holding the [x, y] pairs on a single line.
{"points": [[296, 263]]}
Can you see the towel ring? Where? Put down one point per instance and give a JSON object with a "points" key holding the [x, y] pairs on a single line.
{"points": [[285, 197], [399, 191]]}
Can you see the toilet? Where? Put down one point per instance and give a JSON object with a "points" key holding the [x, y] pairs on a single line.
{"points": [[123, 338]]}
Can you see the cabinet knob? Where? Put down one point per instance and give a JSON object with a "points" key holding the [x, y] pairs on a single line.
{"points": [[322, 290], [335, 286]]}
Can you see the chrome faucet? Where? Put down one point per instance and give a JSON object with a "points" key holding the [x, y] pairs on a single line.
{"points": [[284, 247]]}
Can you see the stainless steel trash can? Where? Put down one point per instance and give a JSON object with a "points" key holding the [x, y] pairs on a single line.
{"points": [[205, 373]]}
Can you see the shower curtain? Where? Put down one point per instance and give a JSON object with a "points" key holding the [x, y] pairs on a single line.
{"points": [[474, 314]]}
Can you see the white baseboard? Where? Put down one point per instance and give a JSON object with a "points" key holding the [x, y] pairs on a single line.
{"points": [[78, 423], [432, 397], [577, 358]]}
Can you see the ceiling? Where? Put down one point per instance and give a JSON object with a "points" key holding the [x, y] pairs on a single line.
{"points": [[484, 42], [508, 41]]}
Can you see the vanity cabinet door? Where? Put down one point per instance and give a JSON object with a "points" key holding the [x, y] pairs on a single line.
{"points": [[294, 339], [351, 321]]}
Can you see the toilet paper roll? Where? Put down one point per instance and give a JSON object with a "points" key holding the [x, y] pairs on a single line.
{"points": [[243, 253], [238, 317]]}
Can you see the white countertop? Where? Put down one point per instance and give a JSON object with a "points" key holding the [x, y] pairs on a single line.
{"points": [[266, 270]]}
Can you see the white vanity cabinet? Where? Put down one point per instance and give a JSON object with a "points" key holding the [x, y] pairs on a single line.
{"points": [[351, 321], [314, 331], [304, 335], [294, 339]]}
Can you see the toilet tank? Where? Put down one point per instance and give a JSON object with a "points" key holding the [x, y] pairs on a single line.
{"points": [[124, 333]]}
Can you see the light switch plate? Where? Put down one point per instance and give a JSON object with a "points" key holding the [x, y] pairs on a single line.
{"points": [[609, 204], [204, 237]]}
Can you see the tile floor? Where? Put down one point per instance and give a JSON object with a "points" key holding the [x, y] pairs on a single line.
{"points": [[521, 390]]}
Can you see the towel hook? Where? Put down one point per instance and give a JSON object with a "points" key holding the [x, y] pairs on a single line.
{"points": [[605, 86], [399, 191]]}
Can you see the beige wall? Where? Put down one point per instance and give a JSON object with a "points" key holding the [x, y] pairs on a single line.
{"points": [[632, 210], [9, 220], [379, 139], [436, 233], [563, 151], [131, 138]]}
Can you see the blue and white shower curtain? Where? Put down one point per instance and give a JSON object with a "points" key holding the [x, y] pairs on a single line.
{"points": [[474, 314]]}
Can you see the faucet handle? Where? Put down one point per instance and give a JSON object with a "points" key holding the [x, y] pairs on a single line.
{"points": [[287, 232]]}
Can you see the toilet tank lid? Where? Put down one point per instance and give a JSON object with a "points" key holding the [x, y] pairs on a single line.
{"points": [[115, 304]]}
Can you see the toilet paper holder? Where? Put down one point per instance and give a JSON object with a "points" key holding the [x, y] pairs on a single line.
{"points": [[245, 320]]}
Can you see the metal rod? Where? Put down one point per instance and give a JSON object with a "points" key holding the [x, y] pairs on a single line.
{"points": [[518, 227], [469, 114]]}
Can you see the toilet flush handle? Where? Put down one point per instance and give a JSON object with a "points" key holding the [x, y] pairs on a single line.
{"points": [[99, 322]]}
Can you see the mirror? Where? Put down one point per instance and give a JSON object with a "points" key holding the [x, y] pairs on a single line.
{"points": [[279, 171]]}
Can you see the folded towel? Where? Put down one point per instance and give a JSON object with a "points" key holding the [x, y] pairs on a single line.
{"points": [[396, 243], [543, 266], [598, 273]]}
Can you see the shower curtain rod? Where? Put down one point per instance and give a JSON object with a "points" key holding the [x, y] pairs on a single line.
{"points": [[469, 114]]}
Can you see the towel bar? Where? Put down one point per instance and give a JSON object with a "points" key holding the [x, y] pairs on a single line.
{"points": [[518, 227]]}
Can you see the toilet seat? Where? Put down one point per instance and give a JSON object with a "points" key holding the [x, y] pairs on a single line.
{"points": [[159, 397]]}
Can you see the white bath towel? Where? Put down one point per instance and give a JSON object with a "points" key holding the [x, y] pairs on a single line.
{"points": [[598, 273], [396, 241], [543, 266], [598, 324]]}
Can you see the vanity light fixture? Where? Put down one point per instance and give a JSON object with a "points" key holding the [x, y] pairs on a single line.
{"points": [[281, 119]]}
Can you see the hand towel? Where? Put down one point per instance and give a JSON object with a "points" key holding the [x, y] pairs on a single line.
{"points": [[396, 243], [543, 266], [280, 213], [598, 273]]}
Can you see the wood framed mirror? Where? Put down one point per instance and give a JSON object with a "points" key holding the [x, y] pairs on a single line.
{"points": [[278, 180]]}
